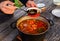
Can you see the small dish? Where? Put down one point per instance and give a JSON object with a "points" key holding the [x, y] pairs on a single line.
{"points": [[56, 2], [56, 12], [40, 5]]}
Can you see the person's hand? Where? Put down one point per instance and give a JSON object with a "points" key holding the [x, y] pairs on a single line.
{"points": [[31, 4], [7, 7]]}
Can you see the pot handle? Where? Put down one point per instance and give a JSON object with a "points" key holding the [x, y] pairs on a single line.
{"points": [[51, 22], [13, 25]]}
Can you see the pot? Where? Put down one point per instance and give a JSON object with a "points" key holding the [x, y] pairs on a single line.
{"points": [[48, 21]]}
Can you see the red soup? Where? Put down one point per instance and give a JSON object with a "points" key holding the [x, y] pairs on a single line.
{"points": [[33, 26]]}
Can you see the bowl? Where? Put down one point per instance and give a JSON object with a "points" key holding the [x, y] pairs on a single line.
{"points": [[40, 5], [56, 12], [56, 2]]}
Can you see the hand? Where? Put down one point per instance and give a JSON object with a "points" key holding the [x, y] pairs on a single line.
{"points": [[7, 7], [31, 4]]}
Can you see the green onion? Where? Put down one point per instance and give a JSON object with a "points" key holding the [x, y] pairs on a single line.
{"points": [[17, 3], [40, 30]]}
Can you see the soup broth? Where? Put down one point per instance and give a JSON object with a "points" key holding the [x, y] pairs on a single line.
{"points": [[33, 26]]}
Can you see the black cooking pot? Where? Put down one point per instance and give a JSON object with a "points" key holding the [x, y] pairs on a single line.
{"points": [[48, 21]]}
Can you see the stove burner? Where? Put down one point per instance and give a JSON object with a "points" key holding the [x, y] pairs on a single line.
{"points": [[29, 38]]}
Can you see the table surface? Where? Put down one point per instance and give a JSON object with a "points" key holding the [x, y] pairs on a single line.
{"points": [[53, 33]]}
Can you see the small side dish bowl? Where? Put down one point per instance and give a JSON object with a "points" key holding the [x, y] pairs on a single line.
{"points": [[56, 12], [56, 2]]}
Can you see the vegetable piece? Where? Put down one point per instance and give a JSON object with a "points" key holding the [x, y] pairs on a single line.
{"points": [[40, 30], [30, 22], [34, 27]]}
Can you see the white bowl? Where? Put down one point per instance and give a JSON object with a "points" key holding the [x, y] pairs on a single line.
{"points": [[56, 2], [40, 5], [56, 12]]}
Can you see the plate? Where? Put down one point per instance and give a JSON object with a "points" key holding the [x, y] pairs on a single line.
{"points": [[56, 12]]}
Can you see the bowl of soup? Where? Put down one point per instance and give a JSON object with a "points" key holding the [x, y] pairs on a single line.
{"points": [[33, 26]]}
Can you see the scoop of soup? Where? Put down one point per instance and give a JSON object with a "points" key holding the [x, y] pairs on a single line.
{"points": [[33, 26]]}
